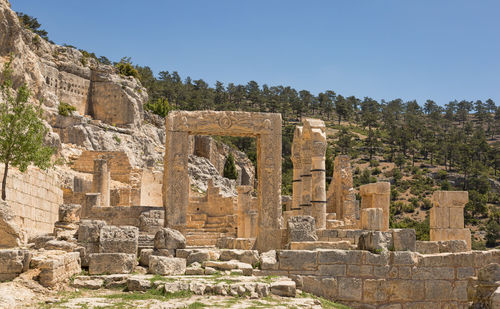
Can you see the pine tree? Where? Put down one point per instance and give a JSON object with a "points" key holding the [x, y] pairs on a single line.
{"points": [[230, 168]]}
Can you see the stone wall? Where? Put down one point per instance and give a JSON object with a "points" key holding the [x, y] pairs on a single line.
{"points": [[399, 279], [118, 163], [125, 215], [34, 197], [151, 188]]}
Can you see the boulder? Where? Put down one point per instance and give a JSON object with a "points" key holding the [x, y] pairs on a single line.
{"points": [[111, 263], [283, 288], [11, 234], [84, 282], [169, 239], [376, 241], [245, 256], [301, 228], [138, 283], [167, 266], [268, 260], [119, 239], [151, 221]]}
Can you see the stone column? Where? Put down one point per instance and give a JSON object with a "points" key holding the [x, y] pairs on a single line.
{"points": [[101, 180], [297, 168], [269, 171], [176, 179], [447, 216], [377, 195], [318, 198], [306, 176]]}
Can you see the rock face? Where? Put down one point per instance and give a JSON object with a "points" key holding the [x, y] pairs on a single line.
{"points": [[169, 239], [201, 170], [10, 233]]}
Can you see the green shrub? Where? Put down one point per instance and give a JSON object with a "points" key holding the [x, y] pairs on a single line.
{"points": [[230, 168], [426, 204], [126, 68], [159, 107], [442, 175], [374, 163], [66, 109]]}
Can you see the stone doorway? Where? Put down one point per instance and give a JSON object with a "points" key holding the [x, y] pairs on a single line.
{"points": [[265, 127]]}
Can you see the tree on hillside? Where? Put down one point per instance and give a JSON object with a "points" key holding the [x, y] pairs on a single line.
{"points": [[21, 130], [230, 168], [32, 24]]}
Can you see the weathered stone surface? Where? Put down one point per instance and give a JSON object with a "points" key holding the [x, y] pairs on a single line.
{"points": [[283, 288], [13, 262], [144, 257], [198, 257], [138, 283], [375, 241], [89, 231], [58, 268], [313, 245], [300, 259], [111, 263], [245, 256], [60, 245], [69, 213], [247, 269], [404, 239], [377, 195], [167, 238], [195, 269], [11, 234], [152, 221], [41, 240], [483, 291], [350, 288], [301, 228], [167, 266], [268, 260], [372, 219], [84, 282], [118, 239]]}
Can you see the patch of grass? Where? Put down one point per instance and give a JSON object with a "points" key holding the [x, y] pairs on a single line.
{"points": [[161, 278], [325, 303], [196, 305], [268, 279]]}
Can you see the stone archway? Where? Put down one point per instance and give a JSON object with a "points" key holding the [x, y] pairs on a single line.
{"points": [[265, 127]]}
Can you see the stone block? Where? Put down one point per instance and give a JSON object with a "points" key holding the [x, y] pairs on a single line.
{"points": [[111, 263], [400, 290], [404, 239], [11, 234], [451, 234], [350, 289], [167, 238], [119, 239], [60, 245], [359, 271], [433, 273], [456, 218], [167, 266], [450, 198], [301, 228], [245, 256], [58, 268], [283, 288], [313, 245], [375, 290], [438, 290], [90, 230], [375, 188], [13, 262], [427, 247], [268, 260], [340, 257], [439, 217], [334, 270], [297, 260], [376, 241], [84, 282], [69, 213], [144, 257], [372, 219]]}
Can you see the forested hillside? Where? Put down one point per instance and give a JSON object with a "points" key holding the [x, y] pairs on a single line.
{"points": [[418, 146]]}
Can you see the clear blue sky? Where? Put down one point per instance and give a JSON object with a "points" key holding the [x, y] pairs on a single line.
{"points": [[421, 49]]}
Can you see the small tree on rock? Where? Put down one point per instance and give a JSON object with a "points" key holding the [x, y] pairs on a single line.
{"points": [[230, 168], [22, 131]]}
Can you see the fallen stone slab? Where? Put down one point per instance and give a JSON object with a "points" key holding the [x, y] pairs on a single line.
{"points": [[60, 245], [58, 268], [283, 288], [166, 266], [111, 263], [84, 282], [230, 265], [169, 239], [119, 239], [246, 256], [268, 260], [138, 283]]}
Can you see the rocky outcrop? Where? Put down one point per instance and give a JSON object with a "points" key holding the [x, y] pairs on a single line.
{"points": [[11, 234], [201, 170]]}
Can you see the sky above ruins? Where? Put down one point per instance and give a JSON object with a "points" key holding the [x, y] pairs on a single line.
{"points": [[427, 49]]}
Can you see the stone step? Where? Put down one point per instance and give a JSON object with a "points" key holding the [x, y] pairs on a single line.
{"points": [[220, 219], [333, 224], [201, 242]]}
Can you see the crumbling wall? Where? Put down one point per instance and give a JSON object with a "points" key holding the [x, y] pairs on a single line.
{"points": [[34, 197], [399, 279], [125, 215], [118, 163]]}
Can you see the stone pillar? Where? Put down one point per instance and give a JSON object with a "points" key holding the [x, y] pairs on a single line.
{"points": [[306, 176], [341, 189], [447, 216], [269, 171], [297, 168], [377, 195], [101, 180], [318, 172], [244, 208], [176, 179], [253, 217]]}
